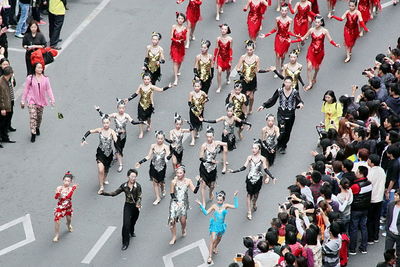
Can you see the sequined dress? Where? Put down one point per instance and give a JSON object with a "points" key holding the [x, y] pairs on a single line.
{"points": [[204, 70], [64, 204], [153, 67], [177, 51], [269, 144], [316, 51], [254, 178], [254, 18], [193, 11], [180, 206], [177, 146], [351, 31], [120, 129], [158, 166], [104, 153], [249, 78], [208, 170], [196, 110], [145, 106], [300, 21], [229, 138], [223, 55]]}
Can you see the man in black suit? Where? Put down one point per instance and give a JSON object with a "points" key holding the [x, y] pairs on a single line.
{"points": [[393, 225]]}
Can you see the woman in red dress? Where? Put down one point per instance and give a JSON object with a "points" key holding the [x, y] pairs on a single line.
{"points": [[219, 4], [192, 16], [178, 38], [64, 205], [365, 8], [375, 7], [331, 7], [316, 52], [314, 6], [301, 21], [255, 16], [351, 30], [282, 39], [223, 54]]}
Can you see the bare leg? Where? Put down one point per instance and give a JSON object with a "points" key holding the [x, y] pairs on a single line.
{"points": [[348, 54], [141, 131], [315, 75], [183, 224], [228, 79], [211, 247], [248, 204], [162, 188], [176, 70], [69, 221], [193, 133], [120, 163], [216, 242], [218, 11], [309, 76], [188, 34], [219, 79], [240, 130], [255, 197], [277, 64], [251, 101], [210, 193], [156, 189], [172, 227], [174, 162], [224, 159], [149, 124], [101, 175], [192, 32], [203, 193], [56, 231]]}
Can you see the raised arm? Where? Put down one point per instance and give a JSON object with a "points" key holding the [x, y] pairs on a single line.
{"points": [[235, 202]]}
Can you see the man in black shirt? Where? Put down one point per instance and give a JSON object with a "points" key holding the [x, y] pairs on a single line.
{"points": [[289, 99], [133, 199]]}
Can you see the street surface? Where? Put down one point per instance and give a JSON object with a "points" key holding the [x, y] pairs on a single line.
{"points": [[103, 60]]}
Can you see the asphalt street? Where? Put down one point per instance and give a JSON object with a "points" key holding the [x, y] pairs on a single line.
{"points": [[103, 61]]}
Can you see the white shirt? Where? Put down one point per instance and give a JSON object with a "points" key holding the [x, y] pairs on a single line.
{"points": [[268, 259], [377, 176], [359, 163], [333, 198], [393, 224], [306, 191]]}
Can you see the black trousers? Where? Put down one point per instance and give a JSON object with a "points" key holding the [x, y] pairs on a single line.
{"points": [[374, 214], [55, 24], [285, 124], [11, 13], [9, 116], [4, 128], [391, 241], [131, 214]]}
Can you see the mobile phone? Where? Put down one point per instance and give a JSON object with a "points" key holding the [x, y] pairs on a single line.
{"points": [[332, 122], [239, 255], [260, 236], [289, 198]]}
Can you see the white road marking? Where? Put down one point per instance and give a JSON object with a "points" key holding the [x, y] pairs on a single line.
{"points": [[201, 244], [387, 4], [72, 37], [99, 244], [29, 235]]}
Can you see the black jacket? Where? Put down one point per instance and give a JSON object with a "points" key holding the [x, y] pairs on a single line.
{"points": [[389, 216]]}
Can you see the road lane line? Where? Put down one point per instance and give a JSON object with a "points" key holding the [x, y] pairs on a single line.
{"points": [[28, 229], [390, 3], [99, 244], [201, 244], [16, 49], [73, 36]]}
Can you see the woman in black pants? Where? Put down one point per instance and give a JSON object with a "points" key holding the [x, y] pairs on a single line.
{"points": [[33, 40], [133, 199]]}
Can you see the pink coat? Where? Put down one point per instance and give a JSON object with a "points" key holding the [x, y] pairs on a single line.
{"points": [[35, 92]]}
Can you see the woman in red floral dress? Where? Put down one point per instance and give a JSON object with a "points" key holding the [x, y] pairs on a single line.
{"points": [[351, 29], [178, 38], [316, 50], [223, 54], [192, 16], [282, 39], [64, 205], [255, 16]]}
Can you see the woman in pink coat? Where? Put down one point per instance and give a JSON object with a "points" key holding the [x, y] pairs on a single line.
{"points": [[37, 89]]}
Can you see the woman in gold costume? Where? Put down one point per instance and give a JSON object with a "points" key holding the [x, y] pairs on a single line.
{"points": [[154, 57], [203, 67], [292, 69], [196, 102], [247, 67], [146, 103], [239, 102]]}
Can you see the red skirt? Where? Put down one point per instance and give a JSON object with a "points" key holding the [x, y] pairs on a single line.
{"points": [[315, 58], [254, 25], [300, 26], [281, 45], [221, 2], [193, 13], [314, 6], [177, 51], [350, 36], [223, 63], [365, 12], [332, 3]]}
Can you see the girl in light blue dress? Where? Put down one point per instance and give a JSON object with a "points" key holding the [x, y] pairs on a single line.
{"points": [[217, 222]]}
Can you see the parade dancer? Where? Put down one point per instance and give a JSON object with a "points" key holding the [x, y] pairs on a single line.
{"points": [[208, 163], [289, 99], [239, 102], [223, 54], [301, 21], [176, 139], [247, 67], [292, 69], [282, 39], [269, 135], [219, 6], [364, 6], [316, 51], [179, 204], [133, 203], [154, 57], [193, 16], [254, 179], [217, 226], [331, 7], [158, 155], [351, 30], [104, 154], [64, 205], [178, 38], [255, 16], [121, 119], [146, 102], [229, 120], [196, 102], [37, 89], [204, 67]]}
